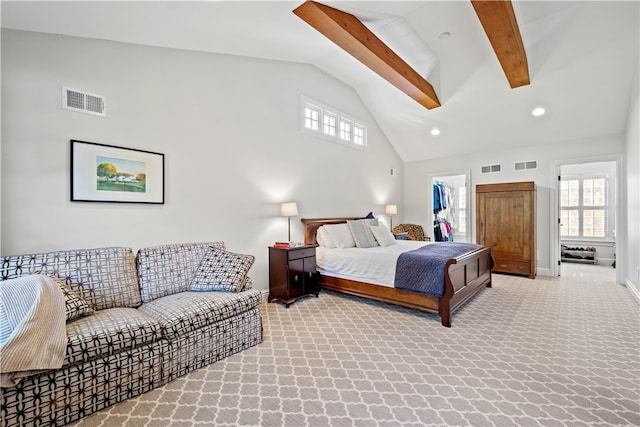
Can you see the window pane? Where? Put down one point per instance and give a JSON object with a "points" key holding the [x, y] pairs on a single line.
{"points": [[462, 206], [599, 192], [593, 192], [570, 223], [593, 223], [311, 118], [345, 130], [358, 135], [587, 192], [330, 122], [570, 193]]}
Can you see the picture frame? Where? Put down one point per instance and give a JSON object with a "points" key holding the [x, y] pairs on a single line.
{"points": [[108, 173]]}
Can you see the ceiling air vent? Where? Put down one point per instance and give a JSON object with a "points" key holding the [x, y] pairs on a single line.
{"points": [[491, 168], [520, 166], [84, 102]]}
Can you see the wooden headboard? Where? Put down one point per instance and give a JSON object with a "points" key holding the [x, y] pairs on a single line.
{"points": [[311, 226]]}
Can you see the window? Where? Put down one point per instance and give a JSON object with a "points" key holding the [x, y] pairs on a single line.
{"points": [[331, 124], [583, 207], [359, 135], [345, 130], [312, 117], [462, 209]]}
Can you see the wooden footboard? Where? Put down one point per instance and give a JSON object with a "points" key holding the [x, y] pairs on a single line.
{"points": [[464, 276]]}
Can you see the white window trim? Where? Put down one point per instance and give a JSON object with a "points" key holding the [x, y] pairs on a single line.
{"points": [[340, 118]]}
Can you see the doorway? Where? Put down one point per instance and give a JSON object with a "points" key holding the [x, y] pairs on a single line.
{"points": [[587, 212], [450, 215]]}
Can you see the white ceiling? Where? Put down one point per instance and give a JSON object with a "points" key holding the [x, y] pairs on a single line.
{"points": [[582, 58]]}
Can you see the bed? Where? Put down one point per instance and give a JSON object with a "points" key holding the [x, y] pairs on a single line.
{"points": [[464, 276]]}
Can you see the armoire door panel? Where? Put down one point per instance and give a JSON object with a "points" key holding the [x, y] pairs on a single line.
{"points": [[506, 226]]}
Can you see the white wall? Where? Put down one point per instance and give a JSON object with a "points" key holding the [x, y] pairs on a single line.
{"points": [[632, 148], [229, 129], [417, 179]]}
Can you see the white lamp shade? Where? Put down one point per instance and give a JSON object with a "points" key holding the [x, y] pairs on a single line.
{"points": [[391, 210], [289, 209]]}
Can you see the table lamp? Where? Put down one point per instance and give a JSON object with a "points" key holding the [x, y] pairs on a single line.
{"points": [[391, 210], [289, 209]]}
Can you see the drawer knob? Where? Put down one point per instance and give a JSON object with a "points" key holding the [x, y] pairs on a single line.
{"points": [[503, 265], [521, 268]]}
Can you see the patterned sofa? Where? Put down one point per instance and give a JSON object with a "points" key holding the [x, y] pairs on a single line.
{"points": [[148, 325]]}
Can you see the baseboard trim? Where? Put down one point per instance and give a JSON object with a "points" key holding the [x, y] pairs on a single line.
{"points": [[634, 291], [543, 271]]}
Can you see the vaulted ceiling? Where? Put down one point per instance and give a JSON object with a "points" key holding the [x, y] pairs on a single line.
{"points": [[582, 57]]}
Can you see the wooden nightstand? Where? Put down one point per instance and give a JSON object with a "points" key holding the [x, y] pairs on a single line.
{"points": [[292, 273]]}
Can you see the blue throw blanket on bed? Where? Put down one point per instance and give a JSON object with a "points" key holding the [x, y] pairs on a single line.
{"points": [[422, 270]]}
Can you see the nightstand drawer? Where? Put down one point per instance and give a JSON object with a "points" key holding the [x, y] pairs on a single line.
{"points": [[301, 253]]}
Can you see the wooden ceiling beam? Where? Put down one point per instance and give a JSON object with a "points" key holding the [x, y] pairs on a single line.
{"points": [[500, 25], [353, 36]]}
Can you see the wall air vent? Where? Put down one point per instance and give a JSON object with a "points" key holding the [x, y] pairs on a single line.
{"points": [[84, 102], [520, 166], [491, 168]]}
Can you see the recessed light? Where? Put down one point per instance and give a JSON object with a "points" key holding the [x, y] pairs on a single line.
{"points": [[435, 132], [444, 35], [538, 111]]}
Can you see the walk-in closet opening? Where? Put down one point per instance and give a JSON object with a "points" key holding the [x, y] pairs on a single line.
{"points": [[451, 214]]}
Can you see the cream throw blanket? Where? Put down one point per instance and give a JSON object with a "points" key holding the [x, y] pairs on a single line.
{"points": [[33, 334]]}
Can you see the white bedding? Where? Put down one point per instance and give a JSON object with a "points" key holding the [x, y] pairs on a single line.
{"points": [[375, 265]]}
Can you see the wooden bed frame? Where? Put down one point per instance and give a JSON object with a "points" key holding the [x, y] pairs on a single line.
{"points": [[464, 276]]}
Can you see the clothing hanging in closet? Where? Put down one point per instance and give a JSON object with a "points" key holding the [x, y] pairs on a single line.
{"points": [[444, 216], [440, 196], [442, 231]]}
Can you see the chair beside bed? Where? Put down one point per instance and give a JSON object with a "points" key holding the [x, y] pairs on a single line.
{"points": [[464, 276]]}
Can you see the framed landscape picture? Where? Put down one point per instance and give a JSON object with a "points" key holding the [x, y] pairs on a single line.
{"points": [[106, 173]]}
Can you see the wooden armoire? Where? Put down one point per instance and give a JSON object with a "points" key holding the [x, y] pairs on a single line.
{"points": [[506, 222]]}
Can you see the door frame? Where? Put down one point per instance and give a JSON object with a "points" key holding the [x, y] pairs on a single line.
{"points": [[469, 233], [621, 208]]}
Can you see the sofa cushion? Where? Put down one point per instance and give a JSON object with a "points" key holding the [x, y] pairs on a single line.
{"points": [[74, 305], [109, 332], [221, 270], [168, 269], [187, 311], [104, 277]]}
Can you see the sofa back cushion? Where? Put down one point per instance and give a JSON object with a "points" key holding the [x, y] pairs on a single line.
{"points": [[104, 277], [169, 269]]}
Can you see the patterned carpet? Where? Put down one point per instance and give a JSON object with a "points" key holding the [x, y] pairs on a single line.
{"points": [[544, 352]]}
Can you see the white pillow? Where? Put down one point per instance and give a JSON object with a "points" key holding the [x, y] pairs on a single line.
{"points": [[361, 234], [341, 235], [324, 239], [371, 221], [383, 235]]}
